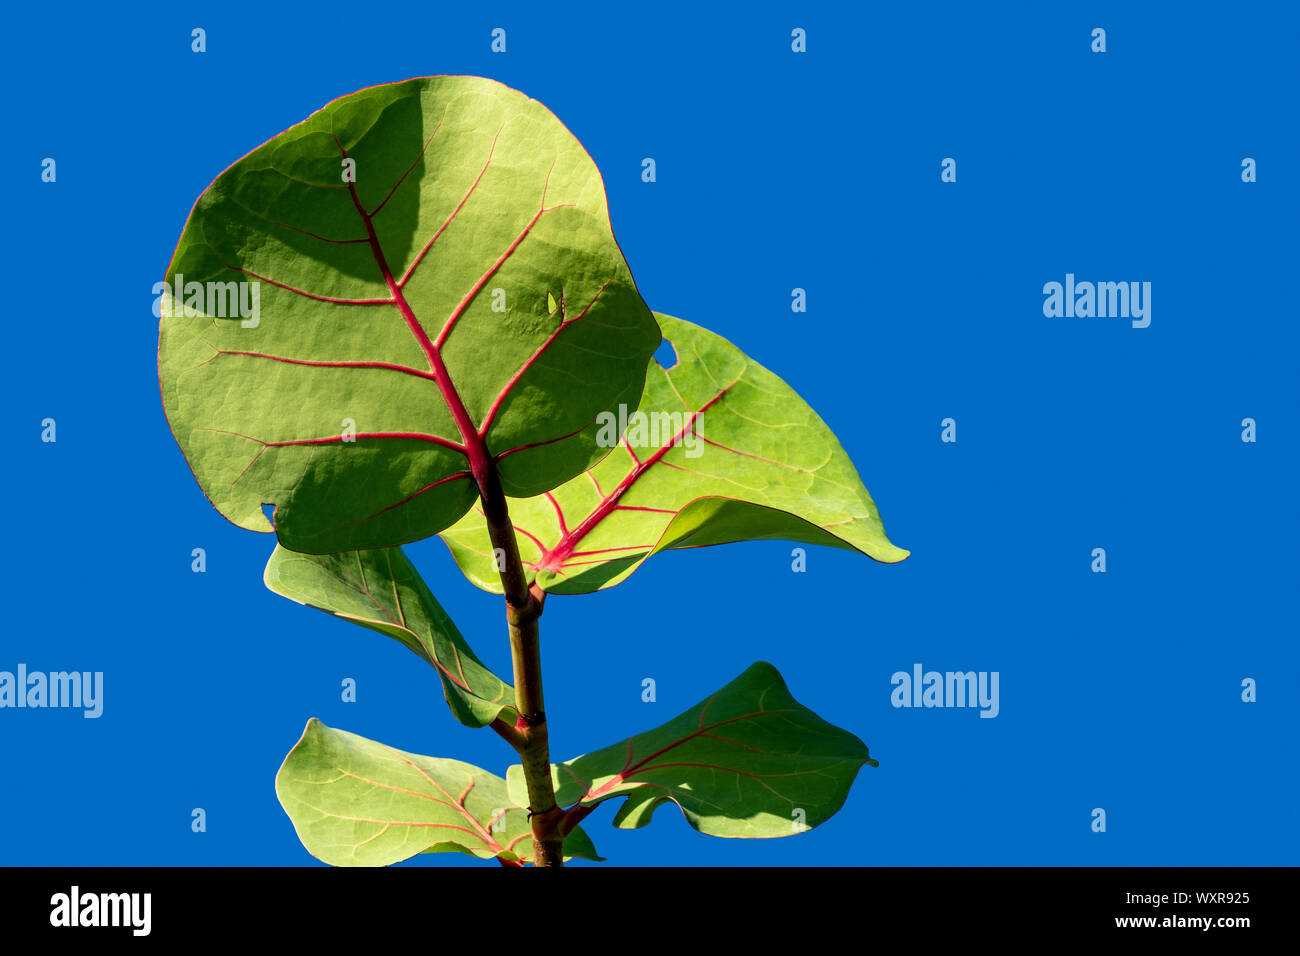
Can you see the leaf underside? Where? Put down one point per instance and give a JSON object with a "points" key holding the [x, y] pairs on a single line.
{"points": [[763, 466], [380, 589], [357, 802], [476, 234], [749, 761]]}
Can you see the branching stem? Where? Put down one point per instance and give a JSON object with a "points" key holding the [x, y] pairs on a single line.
{"points": [[529, 734]]}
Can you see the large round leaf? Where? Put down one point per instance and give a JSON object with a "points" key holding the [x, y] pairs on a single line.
{"points": [[437, 286]]}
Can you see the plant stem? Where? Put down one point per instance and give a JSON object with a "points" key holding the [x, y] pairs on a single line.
{"points": [[529, 736]]}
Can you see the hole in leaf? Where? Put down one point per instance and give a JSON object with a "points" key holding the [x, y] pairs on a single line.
{"points": [[666, 355], [551, 304], [268, 509]]}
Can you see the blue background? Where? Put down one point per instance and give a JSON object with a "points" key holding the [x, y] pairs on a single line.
{"points": [[775, 170]]}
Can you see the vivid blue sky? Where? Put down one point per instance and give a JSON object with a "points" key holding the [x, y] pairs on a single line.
{"points": [[775, 170]]}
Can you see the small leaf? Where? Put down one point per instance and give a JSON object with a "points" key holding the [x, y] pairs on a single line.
{"points": [[399, 339], [551, 304], [381, 590], [757, 464], [750, 761], [357, 802]]}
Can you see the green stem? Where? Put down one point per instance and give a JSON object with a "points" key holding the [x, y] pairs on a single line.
{"points": [[529, 736]]}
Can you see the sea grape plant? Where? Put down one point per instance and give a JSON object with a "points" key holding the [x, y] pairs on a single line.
{"points": [[444, 339]]}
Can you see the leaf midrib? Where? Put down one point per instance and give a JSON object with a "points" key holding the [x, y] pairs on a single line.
{"points": [[474, 448], [555, 559], [629, 769]]}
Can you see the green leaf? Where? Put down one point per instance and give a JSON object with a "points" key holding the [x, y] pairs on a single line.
{"points": [[381, 590], [757, 463], [749, 761], [473, 209], [356, 802]]}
